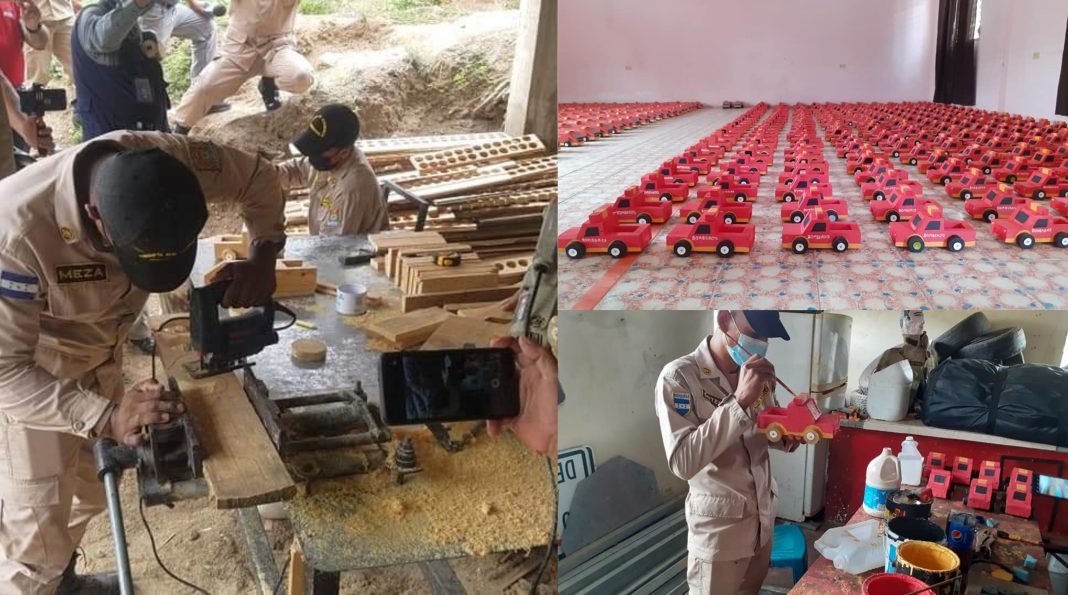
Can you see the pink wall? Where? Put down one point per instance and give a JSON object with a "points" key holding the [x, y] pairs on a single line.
{"points": [[1010, 76], [753, 50]]}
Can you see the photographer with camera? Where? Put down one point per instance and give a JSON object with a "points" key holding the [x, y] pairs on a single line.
{"points": [[117, 72], [31, 128]]}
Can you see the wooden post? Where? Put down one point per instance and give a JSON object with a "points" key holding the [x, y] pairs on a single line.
{"points": [[532, 96]]}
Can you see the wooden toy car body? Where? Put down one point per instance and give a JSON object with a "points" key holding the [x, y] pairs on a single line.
{"points": [[880, 189], [665, 188], [569, 138], [801, 417], [811, 175], [701, 165], [989, 160], [799, 187], [730, 211], [1060, 205], [962, 470], [921, 231], [873, 172], [1011, 170], [940, 482], [903, 205], [991, 471], [1043, 183], [740, 187], [980, 494], [711, 234], [933, 160], [942, 174], [1030, 225], [1018, 500], [995, 204], [915, 155], [635, 209], [794, 212], [816, 230], [601, 233], [971, 183]]}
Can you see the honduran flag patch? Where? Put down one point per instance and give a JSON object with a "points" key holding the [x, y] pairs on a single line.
{"points": [[18, 286]]}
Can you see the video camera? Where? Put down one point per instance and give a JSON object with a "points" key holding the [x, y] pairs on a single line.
{"points": [[37, 100]]}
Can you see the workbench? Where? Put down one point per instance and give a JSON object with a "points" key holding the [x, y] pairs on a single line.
{"points": [[326, 542], [823, 578]]}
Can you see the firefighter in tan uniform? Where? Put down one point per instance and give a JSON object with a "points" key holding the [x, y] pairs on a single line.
{"points": [[258, 41], [706, 403], [344, 195], [89, 234]]}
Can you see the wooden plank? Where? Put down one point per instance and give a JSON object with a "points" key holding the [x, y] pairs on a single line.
{"points": [[393, 239], [421, 144], [528, 169], [427, 300], [410, 328], [492, 312], [486, 152], [241, 465], [457, 308], [511, 268], [458, 332], [434, 284]]}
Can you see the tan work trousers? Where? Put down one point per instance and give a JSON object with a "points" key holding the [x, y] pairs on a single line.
{"points": [[48, 493], [39, 62], [736, 577], [275, 57]]}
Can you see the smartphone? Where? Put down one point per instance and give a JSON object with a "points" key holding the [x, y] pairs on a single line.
{"points": [[420, 387]]}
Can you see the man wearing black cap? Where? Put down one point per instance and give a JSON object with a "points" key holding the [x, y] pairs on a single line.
{"points": [[89, 234], [343, 190], [707, 404]]}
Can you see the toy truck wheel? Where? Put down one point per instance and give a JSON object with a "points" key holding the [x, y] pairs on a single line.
{"points": [[986, 171], [575, 250], [729, 218], [812, 435], [990, 216], [800, 245], [692, 218], [725, 249], [912, 161], [743, 182], [870, 180], [955, 244], [788, 197], [944, 180], [682, 248], [832, 215], [892, 216], [789, 181], [840, 245], [644, 218], [1025, 241], [679, 181], [617, 249], [567, 143], [878, 195], [740, 197], [915, 244], [774, 433], [665, 196], [896, 154], [966, 194], [797, 217], [1061, 240], [1011, 179], [1040, 194]]}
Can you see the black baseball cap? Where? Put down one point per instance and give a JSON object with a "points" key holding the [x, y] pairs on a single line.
{"points": [[766, 323], [334, 125], [152, 208]]}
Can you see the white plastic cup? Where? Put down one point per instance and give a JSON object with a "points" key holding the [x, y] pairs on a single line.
{"points": [[351, 299]]}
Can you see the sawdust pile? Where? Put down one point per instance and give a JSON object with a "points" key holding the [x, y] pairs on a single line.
{"points": [[494, 495]]}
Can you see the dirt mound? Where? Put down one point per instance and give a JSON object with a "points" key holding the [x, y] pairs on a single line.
{"points": [[411, 79]]}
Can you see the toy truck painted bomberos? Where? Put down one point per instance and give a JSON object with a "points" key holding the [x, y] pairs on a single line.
{"points": [[922, 231], [711, 234], [801, 417], [816, 230], [602, 233]]}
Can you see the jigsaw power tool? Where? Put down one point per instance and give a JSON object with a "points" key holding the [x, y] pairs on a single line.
{"points": [[224, 341]]}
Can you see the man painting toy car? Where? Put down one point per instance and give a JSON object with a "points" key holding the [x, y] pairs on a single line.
{"points": [[707, 404]]}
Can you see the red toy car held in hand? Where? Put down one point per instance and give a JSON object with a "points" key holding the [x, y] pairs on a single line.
{"points": [[801, 417], [710, 234], [601, 233], [922, 231], [816, 230]]}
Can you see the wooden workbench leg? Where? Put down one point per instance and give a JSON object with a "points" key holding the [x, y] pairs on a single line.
{"points": [[298, 580]]}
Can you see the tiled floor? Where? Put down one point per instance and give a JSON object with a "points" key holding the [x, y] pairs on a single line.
{"points": [[875, 276]]}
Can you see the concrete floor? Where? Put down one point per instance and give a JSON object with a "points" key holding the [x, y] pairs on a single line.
{"points": [[875, 276]]}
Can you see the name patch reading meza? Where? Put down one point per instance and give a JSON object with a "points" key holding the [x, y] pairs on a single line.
{"points": [[81, 273]]}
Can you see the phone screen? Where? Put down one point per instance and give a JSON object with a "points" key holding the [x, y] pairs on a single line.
{"points": [[449, 385]]}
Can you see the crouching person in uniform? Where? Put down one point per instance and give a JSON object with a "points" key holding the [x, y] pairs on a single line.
{"points": [[90, 233], [707, 403]]}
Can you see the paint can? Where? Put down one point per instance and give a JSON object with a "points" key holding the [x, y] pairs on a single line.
{"points": [[351, 299], [929, 562], [892, 584], [904, 529], [911, 503]]}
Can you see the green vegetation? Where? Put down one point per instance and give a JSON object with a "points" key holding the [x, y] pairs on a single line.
{"points": [[319, 6], [176, 68], [473, 70]]}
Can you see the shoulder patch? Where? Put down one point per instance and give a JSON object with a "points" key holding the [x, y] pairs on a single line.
{"points": [[205, 156], [19, 286], [681, 402]]}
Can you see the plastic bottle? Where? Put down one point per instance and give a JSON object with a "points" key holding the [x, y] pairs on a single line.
{"points": [[911, 462], [883, 477]]}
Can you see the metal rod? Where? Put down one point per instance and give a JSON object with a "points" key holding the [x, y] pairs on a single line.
{"points": [[118, 534]]}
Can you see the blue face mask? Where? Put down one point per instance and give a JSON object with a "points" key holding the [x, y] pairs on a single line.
{"points": [[753, 346]]}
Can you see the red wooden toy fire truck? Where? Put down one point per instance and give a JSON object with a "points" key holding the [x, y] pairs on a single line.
{"points": [[710, 234], [601, 233], [816, 230], [921, 231], [801, 417]]}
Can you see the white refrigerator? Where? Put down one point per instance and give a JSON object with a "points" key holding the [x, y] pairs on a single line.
{"points": [[815, 359]]}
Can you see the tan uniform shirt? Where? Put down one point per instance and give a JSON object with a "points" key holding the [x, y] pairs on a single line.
{"points": [[55, 10], [342, 201], [260, 19], [711, 442], [7, 155], [65, 307]]}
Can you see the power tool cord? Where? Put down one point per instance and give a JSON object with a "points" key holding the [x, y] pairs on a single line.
{"points": [[281, 575], [155, 553], [552, 534]]}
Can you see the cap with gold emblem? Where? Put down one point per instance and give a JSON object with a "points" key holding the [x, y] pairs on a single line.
{"points": [[334, 125]]}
